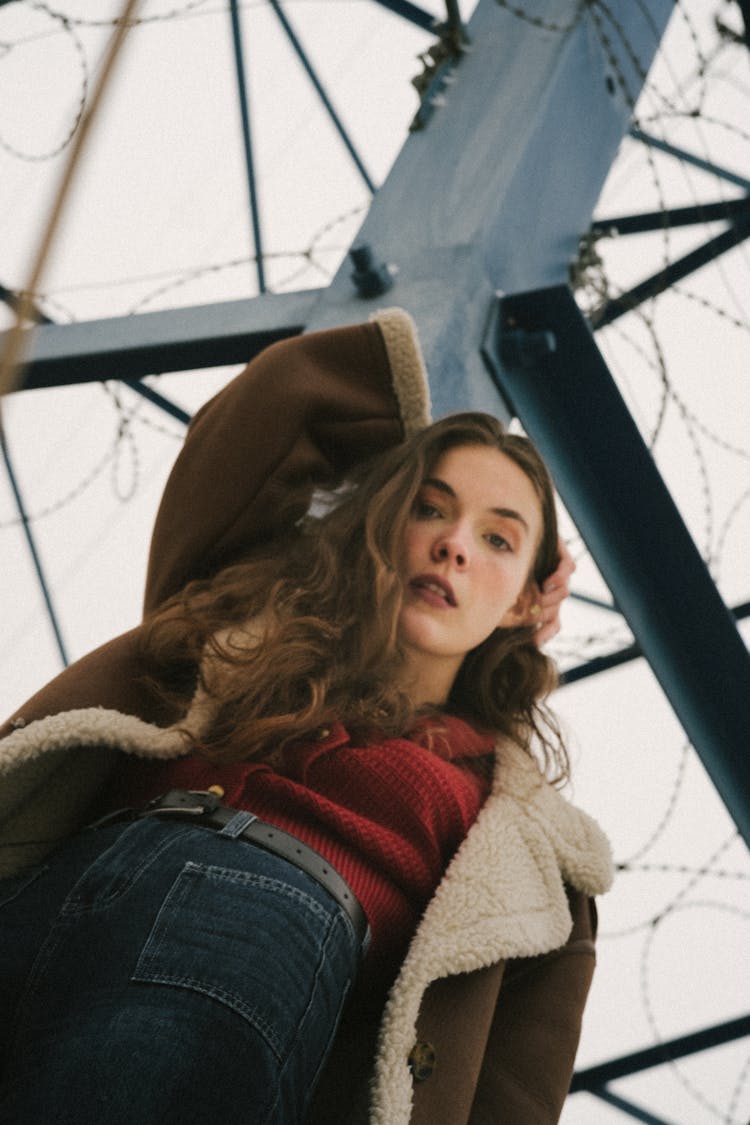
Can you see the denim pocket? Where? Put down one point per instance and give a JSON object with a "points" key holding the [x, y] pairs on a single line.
{"points": [[250, 942]]}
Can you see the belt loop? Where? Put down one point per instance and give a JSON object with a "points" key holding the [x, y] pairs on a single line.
{"points": [[237, 825]]}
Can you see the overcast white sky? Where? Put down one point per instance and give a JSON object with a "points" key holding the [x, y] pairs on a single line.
{"points": [[160, 218]]}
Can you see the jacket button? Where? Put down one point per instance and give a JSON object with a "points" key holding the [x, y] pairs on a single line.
{"points": [[422, 1060], [323, 733]]}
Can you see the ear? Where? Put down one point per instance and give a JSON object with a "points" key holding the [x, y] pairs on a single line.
{"points": [[526, 610]]}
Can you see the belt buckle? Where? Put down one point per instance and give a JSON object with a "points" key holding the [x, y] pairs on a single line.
{"points": [[184, 802]]}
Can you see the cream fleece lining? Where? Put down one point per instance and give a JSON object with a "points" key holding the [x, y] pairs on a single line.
{"points": [[408, 370], [502, 896]]}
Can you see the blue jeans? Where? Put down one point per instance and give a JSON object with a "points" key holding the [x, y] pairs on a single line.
{"points": [[161, 972]]}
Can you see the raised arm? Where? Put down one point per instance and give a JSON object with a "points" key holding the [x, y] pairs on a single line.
{"points": [[297, 417]]}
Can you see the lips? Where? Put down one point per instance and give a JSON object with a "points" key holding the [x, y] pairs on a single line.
{"points": [[434, 589]]}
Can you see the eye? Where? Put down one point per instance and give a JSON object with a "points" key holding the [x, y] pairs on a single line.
{"points": [[498, 542], [424, 510]]}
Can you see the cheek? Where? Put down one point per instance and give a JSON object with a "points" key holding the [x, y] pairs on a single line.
{"points": [[415, 542], [506, 584]]}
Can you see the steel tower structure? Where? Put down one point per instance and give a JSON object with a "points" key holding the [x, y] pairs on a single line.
{"points": [[474, 231]]}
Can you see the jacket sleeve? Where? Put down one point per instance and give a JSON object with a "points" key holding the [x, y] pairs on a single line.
{"points": [[110, 676], [297, 417]]}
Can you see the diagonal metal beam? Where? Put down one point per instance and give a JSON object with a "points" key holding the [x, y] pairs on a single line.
{"points": [[622, 655], [594, 1077], [135, 385], [725, 209], [12, 299], [31, 543], [546, 363], [410, 12], [457, 217], [629, 1107], [690, 158], [601, 664], [745, 9], [247, 141], [319, 89], [160, 400], [455, 214], [597, 603], [672, 273]]}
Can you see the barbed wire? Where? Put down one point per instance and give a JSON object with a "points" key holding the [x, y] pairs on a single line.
{"points": [[597, 285], [654, 918], [639, 334], [542, 23], [72, 129], [691, 1087], [124, 432], [65, 18], [111, 458]]}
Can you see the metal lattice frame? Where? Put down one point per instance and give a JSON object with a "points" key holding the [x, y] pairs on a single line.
{"points": [[546, 329]]}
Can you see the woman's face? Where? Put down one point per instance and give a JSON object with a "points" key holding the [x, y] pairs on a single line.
{"points": [[470, 544]]}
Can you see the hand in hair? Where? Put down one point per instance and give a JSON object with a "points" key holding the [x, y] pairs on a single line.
{"points": [[554, 592]]}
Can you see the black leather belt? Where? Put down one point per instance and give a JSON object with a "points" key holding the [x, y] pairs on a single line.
{"points": [[204, 808]]}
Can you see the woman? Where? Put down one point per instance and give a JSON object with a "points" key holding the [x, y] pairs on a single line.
{"points": [[367, 686]]}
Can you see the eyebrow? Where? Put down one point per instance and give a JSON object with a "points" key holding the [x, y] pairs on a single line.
{"points": [[506, 513]]}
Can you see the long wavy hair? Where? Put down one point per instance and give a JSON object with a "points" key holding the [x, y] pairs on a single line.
{"points": [[305, 631]]}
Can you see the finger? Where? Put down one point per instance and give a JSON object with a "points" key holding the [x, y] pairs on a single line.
{"points": [[565, 567], [546, 633], [551, 600]]}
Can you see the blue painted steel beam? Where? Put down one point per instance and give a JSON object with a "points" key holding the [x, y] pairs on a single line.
{"points": [[725, 209], [126, 347], [247, 141], [470, 206], [745, 9], [136, 385], [453, 13], [455, 214], [409, 12], [594, 1077], [622, 655], [675, 271], [546, 364], [312, 75], [35, 557], [690, 158], [601, 664]]}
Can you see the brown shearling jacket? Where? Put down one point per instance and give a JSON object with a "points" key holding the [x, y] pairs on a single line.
{"points": [[483, 1022]]}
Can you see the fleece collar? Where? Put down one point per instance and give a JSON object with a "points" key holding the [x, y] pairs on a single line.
{"points": [[92, 727], [503, 896]]}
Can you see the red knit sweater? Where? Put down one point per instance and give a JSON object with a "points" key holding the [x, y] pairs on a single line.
{"points": [[388, 816]]}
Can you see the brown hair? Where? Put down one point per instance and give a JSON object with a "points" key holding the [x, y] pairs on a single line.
{"points": [[326, 601]]}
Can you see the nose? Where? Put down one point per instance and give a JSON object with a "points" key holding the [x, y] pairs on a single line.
{"points": [[450, 547]]}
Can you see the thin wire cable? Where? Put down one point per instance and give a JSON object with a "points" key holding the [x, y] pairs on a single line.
{"points": [[11, 362]]}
